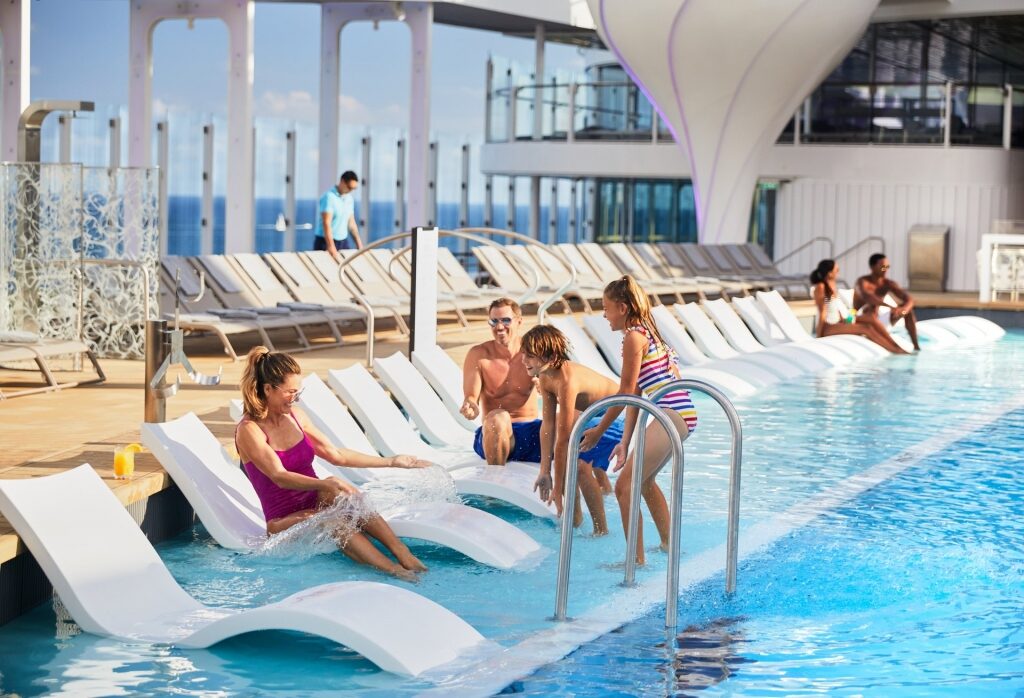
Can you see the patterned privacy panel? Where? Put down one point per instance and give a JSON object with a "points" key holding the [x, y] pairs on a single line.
{"points": [[76, 246]]}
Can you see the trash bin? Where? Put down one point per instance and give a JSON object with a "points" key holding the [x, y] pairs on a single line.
{"points": [[928, 257]]}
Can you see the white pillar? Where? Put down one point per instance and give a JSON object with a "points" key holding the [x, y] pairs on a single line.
{"points": [[420, 19], [237, 16], [534, 221], [333, 18], [15, 17]]}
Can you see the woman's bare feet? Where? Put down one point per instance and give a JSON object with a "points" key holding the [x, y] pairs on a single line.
{"points": [[410, 562], [404, 574]]}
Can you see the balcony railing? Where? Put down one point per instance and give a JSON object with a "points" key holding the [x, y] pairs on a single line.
{"points": [[854, 113]]}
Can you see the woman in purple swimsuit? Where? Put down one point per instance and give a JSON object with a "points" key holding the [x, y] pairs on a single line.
{"points": [[276, 443]]}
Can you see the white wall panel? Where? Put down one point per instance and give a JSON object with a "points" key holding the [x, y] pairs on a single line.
{"points": [[847, 212]]}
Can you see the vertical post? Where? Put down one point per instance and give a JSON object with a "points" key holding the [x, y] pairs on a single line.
{"points": [[464, 191], [114, 160], [538, 82], [654, 125], [206, 209], [534, 222], [239, 228], [64, 149], [513, 100], [553, 213], [797, 127], [591, 207], [573, 234], [510, 107], [488, 89], [488, 201], [420, 19], [156, 351], [423, 299], [636, 483], [290, 208], [947, 112], [1007, 116], [163, 150], [364, 189], [432, 186], [806, 113], [15, 25], [142, 19], [400, 186], [570, 129], [510, 210], [332, 21]]}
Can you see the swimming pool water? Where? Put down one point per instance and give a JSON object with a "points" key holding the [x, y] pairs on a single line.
{"points": [[914, 589], [801, 439]]}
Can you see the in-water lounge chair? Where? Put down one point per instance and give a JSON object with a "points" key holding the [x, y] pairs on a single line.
{"points": [[712, 343], [114, 584], [445, 377], [391, 434], [855, 346], [227, 504]]}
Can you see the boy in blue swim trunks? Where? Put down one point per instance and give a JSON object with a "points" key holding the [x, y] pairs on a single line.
{"points": [[568, 388], [495, 384]]}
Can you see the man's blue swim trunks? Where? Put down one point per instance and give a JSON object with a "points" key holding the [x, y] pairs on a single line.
{"points": [[598, 456], [525, 441]]}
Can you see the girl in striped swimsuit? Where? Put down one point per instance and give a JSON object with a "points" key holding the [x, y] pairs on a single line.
{"points": [[648, 364]]}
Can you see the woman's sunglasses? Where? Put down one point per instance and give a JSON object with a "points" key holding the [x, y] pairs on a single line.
{"points": [[493, 321]]}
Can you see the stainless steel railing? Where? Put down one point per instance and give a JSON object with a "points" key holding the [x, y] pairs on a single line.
{"points": [[649, 407]]}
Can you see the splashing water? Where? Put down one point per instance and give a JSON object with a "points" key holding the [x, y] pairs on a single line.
{"points": [[326, 531], [405, 487]]}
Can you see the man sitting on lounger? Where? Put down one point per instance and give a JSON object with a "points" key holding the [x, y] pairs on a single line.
{"points": [[495, 378], [869, 299], [568, 388]]}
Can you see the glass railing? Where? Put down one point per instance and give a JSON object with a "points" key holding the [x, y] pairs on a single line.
{"points": [[883, 113]]}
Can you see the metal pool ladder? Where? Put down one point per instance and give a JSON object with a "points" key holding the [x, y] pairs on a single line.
{"points": [[649, 407]]}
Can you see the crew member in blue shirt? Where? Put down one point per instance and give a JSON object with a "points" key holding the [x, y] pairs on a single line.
{"points": [[336, 227]]}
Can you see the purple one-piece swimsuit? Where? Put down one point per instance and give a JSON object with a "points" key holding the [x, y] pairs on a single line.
{"points": [[277, 501]]}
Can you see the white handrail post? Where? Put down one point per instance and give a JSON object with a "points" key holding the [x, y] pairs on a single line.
{"points": [[570, 129], [1007, 116], [947, 109]]}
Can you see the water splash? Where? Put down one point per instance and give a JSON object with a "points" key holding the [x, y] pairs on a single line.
{"points": [[405, 487], [326, 531]]}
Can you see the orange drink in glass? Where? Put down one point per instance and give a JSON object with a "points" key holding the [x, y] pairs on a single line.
{"points": [[124, 461]]}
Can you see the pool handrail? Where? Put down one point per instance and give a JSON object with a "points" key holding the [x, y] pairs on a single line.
{"points": [[571, 476], [649, 406]]}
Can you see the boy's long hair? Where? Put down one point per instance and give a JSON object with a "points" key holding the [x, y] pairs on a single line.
{"points": [[262, 368], [547, 343], [638, 308]]}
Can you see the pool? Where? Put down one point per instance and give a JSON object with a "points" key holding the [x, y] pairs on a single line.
{"points": [[820, 457]]}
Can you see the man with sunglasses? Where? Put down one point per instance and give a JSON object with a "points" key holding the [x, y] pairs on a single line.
{"points": [[870, 299], [495, 384]]}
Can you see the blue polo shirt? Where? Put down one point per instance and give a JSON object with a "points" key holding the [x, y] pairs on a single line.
{"points": [[341, 207]]}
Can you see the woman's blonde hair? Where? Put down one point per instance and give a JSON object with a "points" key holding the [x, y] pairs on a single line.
{"points": [[547, 343], [638, 309], [262, 368]]}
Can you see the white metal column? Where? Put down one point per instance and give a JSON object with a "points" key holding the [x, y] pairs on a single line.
{"points": [[162, 158], [538, 82], [488, 201], [15, 27], [333, 18], [114, 158], [432, 157], [364, 190], [290, 243], [400, 186], [420, 19], [464, 189], [510, 210], [64, 144], [206, 208], [553, 213]]}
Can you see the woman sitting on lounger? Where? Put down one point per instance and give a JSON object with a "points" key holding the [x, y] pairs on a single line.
{"points": [[276, 443], [831, 320]]}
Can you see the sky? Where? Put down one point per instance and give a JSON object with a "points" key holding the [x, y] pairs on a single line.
{"points": [[80, 51]]}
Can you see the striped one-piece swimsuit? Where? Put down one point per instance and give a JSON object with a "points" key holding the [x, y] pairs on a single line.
{"points": [[656, 372]]}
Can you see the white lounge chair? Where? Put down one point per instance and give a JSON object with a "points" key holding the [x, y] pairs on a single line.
{"points": [[227, 504], [391, 434], [581, 347], [712, 343], [855, 346], [723, 378], [16, 347], [739, 336], [422, 404], [445, 377], [114, 584]]}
